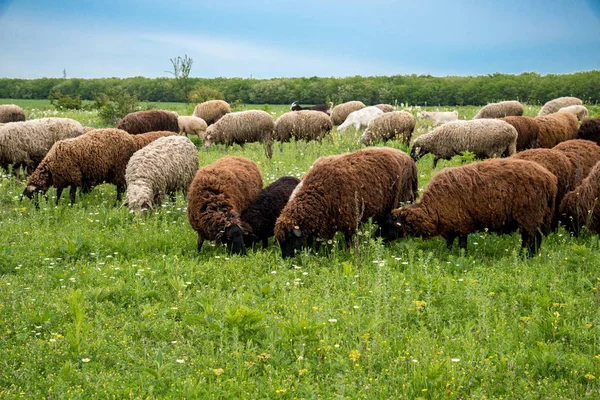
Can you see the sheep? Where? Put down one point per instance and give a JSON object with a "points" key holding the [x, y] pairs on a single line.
{"points": [[580, 111], [499, 110], [485, 137], [211, 111], [25, 144], [339, 192], [493, 195], [527, 130], [556, 128], [386, 108], [439, 117], [584, 154], [590, 130], [389, 125], [217, 197], [319, 107], [266, 208], [303, 125], [340, 112], [190, 125], [580, 206], [98, 156], [554, 105], [242, 127], [360, 118], [163, 167], [149, 121], [11, 113], [145, 139]]}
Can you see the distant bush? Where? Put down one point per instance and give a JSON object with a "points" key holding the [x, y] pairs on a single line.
{"points": [[115, 105], [65, 101], [203, 93]]}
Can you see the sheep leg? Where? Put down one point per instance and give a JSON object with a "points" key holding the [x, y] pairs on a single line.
{"points": [[462, 242], [200, 241], [58, 194], [120, 190], [531, 242], [172, 196], [435, 161], [348, 238], [265, 243], [450, 242], [72, 193]]}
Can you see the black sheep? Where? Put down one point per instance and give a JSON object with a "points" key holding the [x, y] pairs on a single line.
{"points": [[319, 107]]}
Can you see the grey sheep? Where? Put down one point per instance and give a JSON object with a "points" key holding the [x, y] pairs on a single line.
{"points": [[303, 125], [500, 110], [390, 125], [11, 113], [340, 112], [554, 105]]}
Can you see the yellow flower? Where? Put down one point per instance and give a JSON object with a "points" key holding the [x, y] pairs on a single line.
{"points": [[218, 371], [263, 357], [419, 304], [589, 377], [354, 355]]}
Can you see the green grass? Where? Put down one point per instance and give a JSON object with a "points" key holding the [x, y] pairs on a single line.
{"points": [[96, 302]]}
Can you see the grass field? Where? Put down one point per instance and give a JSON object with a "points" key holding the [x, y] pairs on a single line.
{"points": [[96, 302]]}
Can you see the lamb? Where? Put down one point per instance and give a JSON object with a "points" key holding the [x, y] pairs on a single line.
{"points": [[360, 118], [389, 125], [339, 192], [580, 207], [11, 113], [554, 105], [340, 112], [590, 130], [499, 110], [211, 111], [149, 121], [439, 117], [145, 139], [25, 144], [319, 107], [190, 125], [485, 137], [266, 208], [527, 130], [217, 197], [503, 196], [580, 111], [556, 128], [386, 108], [163, 167], [242, 127], [584, 154], [98, 156], [303, 125]]}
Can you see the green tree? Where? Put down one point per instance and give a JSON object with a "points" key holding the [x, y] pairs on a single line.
{"points": [[181, 72]]}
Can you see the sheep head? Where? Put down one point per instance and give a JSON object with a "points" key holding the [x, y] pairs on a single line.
{"points": [[39, 181], [207, 140], [416, 152], [295, 106], [233, 238], [402, 222], [293, 240]]}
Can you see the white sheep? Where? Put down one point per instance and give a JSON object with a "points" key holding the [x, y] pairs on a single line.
{"points": [[191, 125], [360, 118], [439, 117], [580, 111]]}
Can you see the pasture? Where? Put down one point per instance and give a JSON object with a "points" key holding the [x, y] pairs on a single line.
{"points": [[97, 302]]}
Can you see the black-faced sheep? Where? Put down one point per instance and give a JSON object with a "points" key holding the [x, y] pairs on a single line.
{"points": [[11, 113], [556, 104], [527, 129], [266, 208], [190, 125], [339, 192], [390, 125], [149, 121], [493, 195], [386, 108], [556, 128], [211, 111], [486, 138], [217, 197], [590, 130], [584, 154], [340, 112], [302, 125], [319, 107], [499, 110], [360, 118], [580, 111], [439, 117]]}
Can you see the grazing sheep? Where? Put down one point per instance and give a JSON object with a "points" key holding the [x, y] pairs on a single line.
{"points": [[211, 111], [217, 197], [266, 208], [149, 121], [319, 107], [527, 129], [340, 112], [556, 128], [11, 113], [339, 192], [584, 154], [554, 105], [303, 125], [590, 130], [439, 117], [386, 108], [242, 127], [145, 139], [493, 195], [98, 156], [390, 125], [580, 111], [163, 167], [486, 138], [192, 126], [580, 207], [360, 118], [25, 144], [499, 110]]}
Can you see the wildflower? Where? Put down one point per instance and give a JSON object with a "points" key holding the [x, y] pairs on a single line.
{"points": [[263, 357], [218, 371], [333, 320], [597, 356], [419, 304], [455, 359], [85, 360], [354, 355], [300, 358], [589, 377], [180, 361]]}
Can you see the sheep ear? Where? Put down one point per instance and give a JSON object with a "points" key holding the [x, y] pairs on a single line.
{"points": [[297, 231]]}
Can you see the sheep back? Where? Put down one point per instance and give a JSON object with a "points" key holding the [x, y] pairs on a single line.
{"points": [[211, 111], [501, 109], [389, 125], [145, 139], [580, 111], [554, 105], [303, 125], [527, 130], [580, 207], [386, 108], [584, 154], [556, 128], [11, 113], [590, 130], [149, 121], [341, 111]]}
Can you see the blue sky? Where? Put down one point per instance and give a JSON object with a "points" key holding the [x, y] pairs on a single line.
{"points": [[267, 39]]}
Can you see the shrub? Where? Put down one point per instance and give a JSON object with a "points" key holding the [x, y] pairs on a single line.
{"points": [[204, 93]]}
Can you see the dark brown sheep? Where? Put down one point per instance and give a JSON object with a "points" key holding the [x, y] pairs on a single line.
{"points": [[11, 113], [217, 197], [527, 129], [581, 206], [339, 192], [584, 154], [496, 195], [149, 121], [556, 128], [590, 130], [144, 139]]}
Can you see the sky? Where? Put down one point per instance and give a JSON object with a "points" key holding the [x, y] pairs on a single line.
{"points": [[281, 38]]}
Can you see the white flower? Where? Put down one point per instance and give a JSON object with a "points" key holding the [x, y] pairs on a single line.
{"points": [[333, 320], [455, 359], [415, 360], [180, 361], [85, 360]]}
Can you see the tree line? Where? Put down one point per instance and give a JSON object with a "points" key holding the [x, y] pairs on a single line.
{"points": [[529, 87]]}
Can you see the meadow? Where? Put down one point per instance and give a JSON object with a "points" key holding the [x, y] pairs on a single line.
{"points": [[97, 302]]}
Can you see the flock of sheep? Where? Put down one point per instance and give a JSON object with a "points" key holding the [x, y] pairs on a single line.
{"points": [[550, 173]]}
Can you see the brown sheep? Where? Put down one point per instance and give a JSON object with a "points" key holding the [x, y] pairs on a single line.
{"points": [[554, 105], [496, 195], [528, 131], [499, 110], [556, 128], [303, 125], [584, 154], [217, 197], [95, 157], [390, 125], [11, 113], [386, 108], [580, 207], [339, 192], [590, 130], [340, 112], [211, 111], [144, 139], [149, 121]]}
